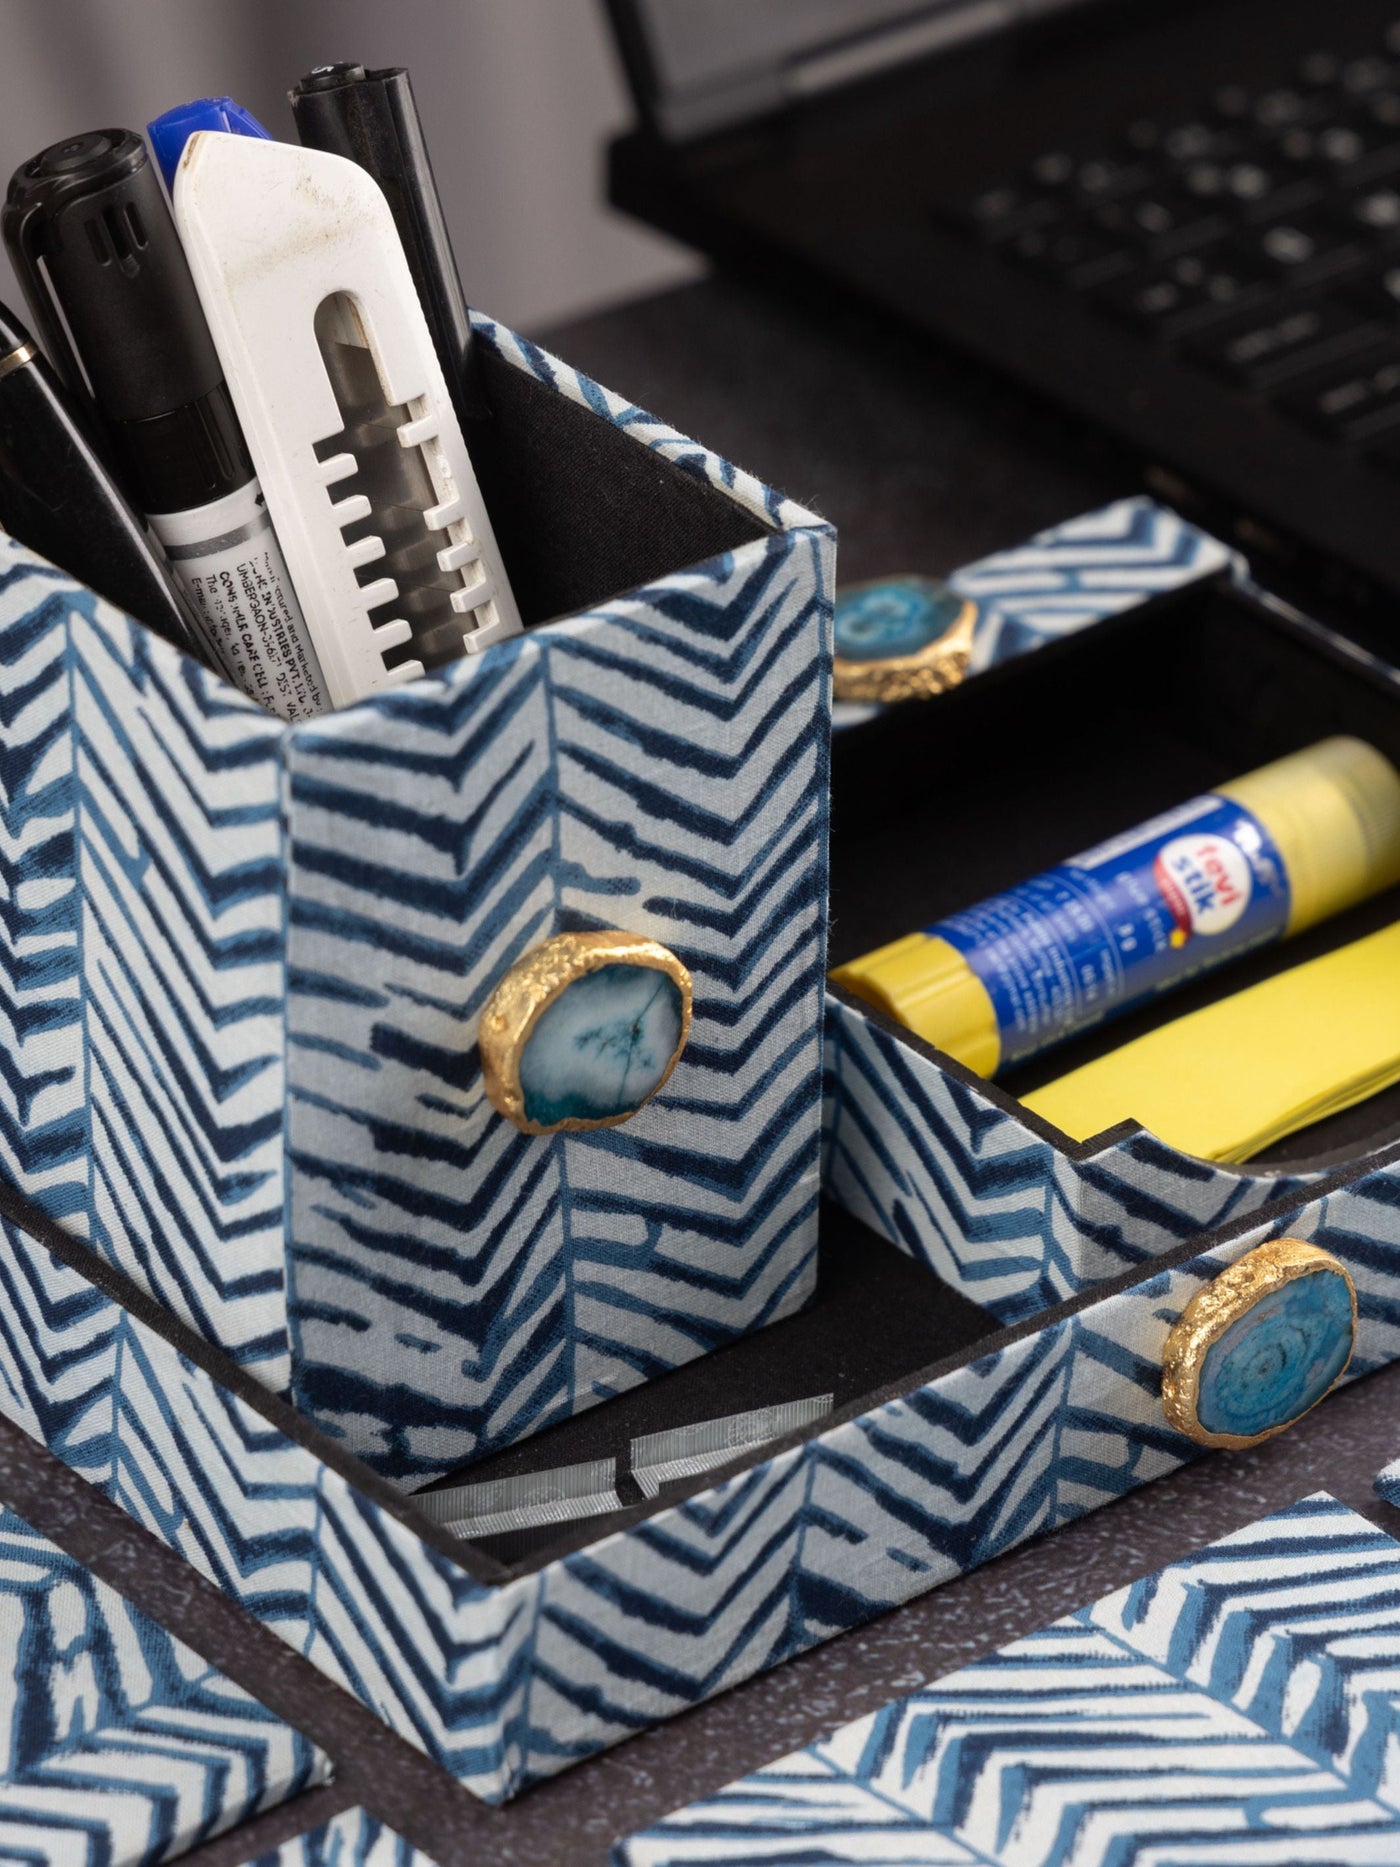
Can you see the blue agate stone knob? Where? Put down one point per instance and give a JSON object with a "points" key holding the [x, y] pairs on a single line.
{"points": [[1259, 1346], [583, 1030], [902, 638]]}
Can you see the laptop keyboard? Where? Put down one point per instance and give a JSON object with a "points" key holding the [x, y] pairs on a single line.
{"points": [[1258, 236]]}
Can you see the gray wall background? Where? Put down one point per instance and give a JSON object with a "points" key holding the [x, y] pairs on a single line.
{"points": [[517, 97]]}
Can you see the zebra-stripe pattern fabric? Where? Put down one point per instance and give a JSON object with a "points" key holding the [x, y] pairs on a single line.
{"points": [[510, 1681], [119, 1746], [242, 966], [951, 1173], [1241, 1706], [1072, 575], [354, 1838]]}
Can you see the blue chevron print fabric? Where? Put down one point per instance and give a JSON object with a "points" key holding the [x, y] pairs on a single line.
{"points": [[244, 964], [509, 1680], [1073, 575], [119, 1746], [1082, 572], [350, 1839], [955, 1177], [1242, 1707]]}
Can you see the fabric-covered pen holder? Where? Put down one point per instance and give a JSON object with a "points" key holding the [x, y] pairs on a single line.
{"points": [[246, 962]]}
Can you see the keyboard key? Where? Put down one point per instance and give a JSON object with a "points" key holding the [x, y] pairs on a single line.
{"points": [[1305, 247], [996, 213], [1144, 135], [1319, 71], [1161, 217], [1269, 348], [1206, 180], [1053, 170], [1243, 186], [1249, 182], [1341, 144], [1196, 140], [1104, 178], [1258, 190], [1193, 290], [1233, 103], [1190, 142], [1362, 75], [1079, 253], [1356, 401], [1377, 210], [1353, 150], [1283, 107]]}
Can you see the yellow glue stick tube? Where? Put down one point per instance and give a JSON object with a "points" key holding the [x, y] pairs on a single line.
{"points": [[1261, 858]]}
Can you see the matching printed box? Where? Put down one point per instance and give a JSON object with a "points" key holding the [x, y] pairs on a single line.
{"points": [[247, 961]]}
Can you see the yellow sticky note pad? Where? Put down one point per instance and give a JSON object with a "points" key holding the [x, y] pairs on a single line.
{"points": [[1230, 1079]]}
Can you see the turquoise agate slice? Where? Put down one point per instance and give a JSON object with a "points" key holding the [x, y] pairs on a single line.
{"points": [[1273, 1363], [880, 621], [602, 1046]]}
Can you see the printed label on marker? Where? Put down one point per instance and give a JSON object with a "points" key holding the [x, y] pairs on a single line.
{"points": [[227, 556], [1122, 922]]}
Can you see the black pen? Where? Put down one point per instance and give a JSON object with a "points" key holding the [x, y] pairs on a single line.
{"points": [[371, 118], [58, 497], [89, 229]]}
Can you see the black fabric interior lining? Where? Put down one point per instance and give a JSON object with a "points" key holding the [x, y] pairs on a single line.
{"points": [[581, 511], [935, 807]]}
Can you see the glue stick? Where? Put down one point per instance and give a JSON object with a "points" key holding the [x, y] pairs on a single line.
{"points": [[1261, 858]]}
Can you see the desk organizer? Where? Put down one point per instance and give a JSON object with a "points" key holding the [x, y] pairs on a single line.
{"points": [[1240, 1705], [950, 1436], [245, 962], [119, 1747], [951, 1440], [1164, 699]]}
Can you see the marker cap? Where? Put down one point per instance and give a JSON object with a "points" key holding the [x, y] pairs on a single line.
{"points": [[88, 226], [370, 117], [170, 131]]}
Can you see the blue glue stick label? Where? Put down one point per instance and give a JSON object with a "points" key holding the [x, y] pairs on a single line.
{"points": [[1106, 930]]}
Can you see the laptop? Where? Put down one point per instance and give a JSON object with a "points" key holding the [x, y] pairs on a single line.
{"points": [[1180, 220]]}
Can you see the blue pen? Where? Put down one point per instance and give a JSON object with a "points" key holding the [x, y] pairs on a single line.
{"points": [[172, 129]]}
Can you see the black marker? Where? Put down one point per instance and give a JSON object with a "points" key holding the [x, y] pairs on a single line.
{"points": [[371, 118], [88, 227], [57, 497]]}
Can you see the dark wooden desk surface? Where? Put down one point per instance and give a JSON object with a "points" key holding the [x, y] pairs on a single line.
{"points": [[923, 463]]}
